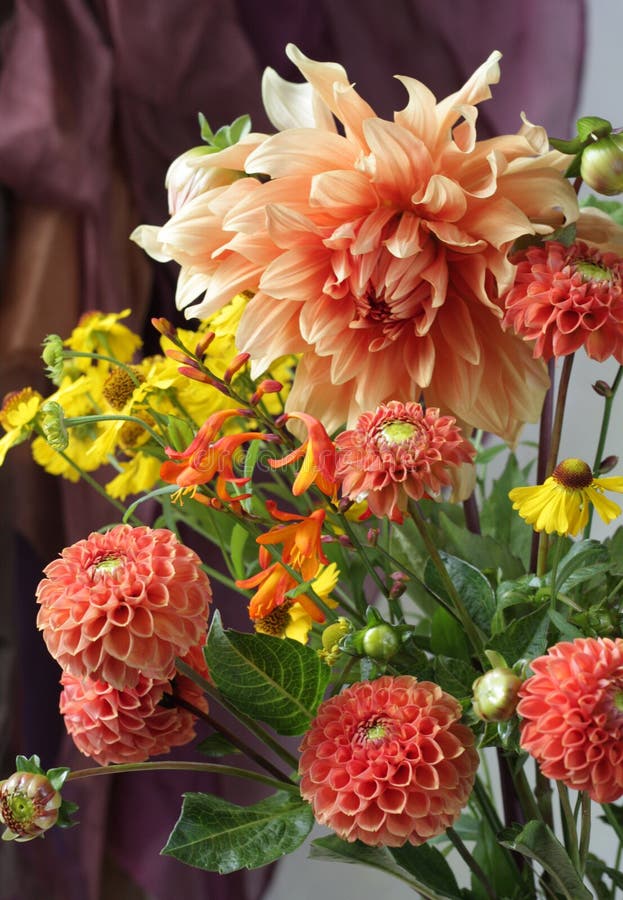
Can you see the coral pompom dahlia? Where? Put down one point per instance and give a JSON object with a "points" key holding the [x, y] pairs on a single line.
{"points": [[123, 604], [387, 762], [398, 452], [572, 711], [565, 298], [378, 253], [132, 724]]}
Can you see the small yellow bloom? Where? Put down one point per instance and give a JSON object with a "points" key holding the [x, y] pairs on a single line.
{"points": [[17, 417], [98, 332], [562, 502], [288, 620]]}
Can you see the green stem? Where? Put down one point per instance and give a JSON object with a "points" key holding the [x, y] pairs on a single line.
{"points": [[251, 724], [554, 572], [87, 420], [470, 629], [543, 793], [526, 797], [585, 831], [74, 354], [364, 556], [568, 824], [214, 768], [603, 434], [467, 857]]}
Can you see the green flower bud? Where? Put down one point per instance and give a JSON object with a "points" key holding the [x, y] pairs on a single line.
{"points": [[381, 642], [602, 165], [53, 356], [331, 637], [53, 425], [29, 805], [496, 694]]}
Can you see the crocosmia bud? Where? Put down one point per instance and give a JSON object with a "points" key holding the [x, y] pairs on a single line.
{"points": [[602, 165], [496, 694], [29, 805]]}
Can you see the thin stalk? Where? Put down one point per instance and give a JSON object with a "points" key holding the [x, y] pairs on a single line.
{"points": [[568, 824], [545, 440], [238, 742], [585, 830], [526, 797], [74, 354], [250, 723], [514, 809], [554, 572], [87, 420], [218, 576], [543, 793], [467, 857], [470, 629], [213, 768], [364, 556], [603, 434]]}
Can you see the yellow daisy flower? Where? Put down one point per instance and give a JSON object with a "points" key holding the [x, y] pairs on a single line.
{"points": [[17, 417], [98, 332], [288, 620], [139, 475], [562, 502]]}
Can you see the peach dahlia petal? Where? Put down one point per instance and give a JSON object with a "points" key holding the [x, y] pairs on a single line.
{"points": [[121, 605], [387, 762], [572, 715]]}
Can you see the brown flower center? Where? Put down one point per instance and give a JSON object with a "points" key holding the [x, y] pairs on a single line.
{"points": [[276, 622], [573, 473], [119, 387]]}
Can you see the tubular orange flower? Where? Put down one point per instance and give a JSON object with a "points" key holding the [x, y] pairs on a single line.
{"points": [[378, 253], [302, 547], [204, 458], [122, 605], [387, 762], [572, 712], [397, 452], [565, 298], [131, 724], [318, 453], [562, 502]]}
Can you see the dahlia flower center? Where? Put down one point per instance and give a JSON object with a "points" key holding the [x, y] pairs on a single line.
{"points": [[372, 730], [398, 432], [617, 700], [591, 271], [573, 473], [19, 808], [108, 564]]}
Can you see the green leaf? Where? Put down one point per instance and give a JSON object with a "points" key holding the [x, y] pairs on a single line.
{"points": [[28, 764], [447, 636], [455, 676], [58, 776], [536, 841], [567, 631], [485, 455], [473, 587], [428, 865], [278, 681], [332, 849], [216, 745], [239, 538], [524, 638], [482, 550], [584, 560], [219, 836], [499, 519], [494, 860]]}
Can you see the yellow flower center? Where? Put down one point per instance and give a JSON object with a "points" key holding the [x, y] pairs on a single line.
{"points": [[592, 272], [398, 432], [108, 564], [573, 473], [119, 387]]}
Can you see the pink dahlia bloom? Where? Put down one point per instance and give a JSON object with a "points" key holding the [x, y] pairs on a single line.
{"points": [[124, 603], [572, 711], [399, 451], [378, 254], [565, 298], [387, 761], [131, 724]]}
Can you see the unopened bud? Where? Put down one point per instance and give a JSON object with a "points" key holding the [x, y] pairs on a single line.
{"points": [[373, 536], [164, 327], [601, 167], [496, 694], [381, 642], [29, 805], [53, 355], [204, 343], [204, 378], [53, 425], [268, 386], [603, 389], [235, 365], [607, 465]]}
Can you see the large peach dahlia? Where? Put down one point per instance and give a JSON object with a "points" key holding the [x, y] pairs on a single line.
{"points": [[123, 604], [387, 761], [572, 712], [380, 253]]}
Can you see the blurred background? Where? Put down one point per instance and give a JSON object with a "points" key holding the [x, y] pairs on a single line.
{"points": [[97, 97]]}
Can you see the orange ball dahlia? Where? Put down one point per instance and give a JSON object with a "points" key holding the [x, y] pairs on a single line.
{"points": [[124, 604], [387, 761], [572, 711], [131, 724], [565, 298], [376, 249], [397, 452]]}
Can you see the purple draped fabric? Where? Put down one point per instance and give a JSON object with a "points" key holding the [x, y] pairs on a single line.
{"points": [[96, 99]]}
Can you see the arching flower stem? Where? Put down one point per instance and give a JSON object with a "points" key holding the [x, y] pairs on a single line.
{"points": [[87, 420], [603, 434], [545, 439], [189, 766], [469, 860]]}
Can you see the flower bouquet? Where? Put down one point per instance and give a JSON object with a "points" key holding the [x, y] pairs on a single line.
{"points": [[381, 308]]}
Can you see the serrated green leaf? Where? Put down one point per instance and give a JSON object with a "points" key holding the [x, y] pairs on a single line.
{"points": [[589, 125], [216, 745], [473, 587], [536, 841], [218, 836], [455, 676], [524, 638], [332, 849], [276, 680]]}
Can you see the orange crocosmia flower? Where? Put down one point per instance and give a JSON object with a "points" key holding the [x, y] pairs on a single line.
{"points": [[378, 250], [301, 539], [318, 453], [204, 458], [273, 583]]}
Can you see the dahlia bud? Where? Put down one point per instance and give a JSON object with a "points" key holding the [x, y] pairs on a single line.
{"points": [[496, 694], [602, 165], [53, 425], [29, 805], [381, 642]]}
